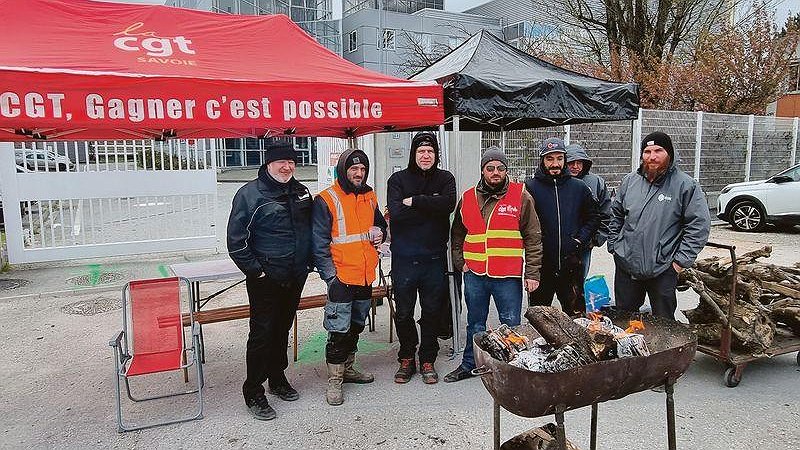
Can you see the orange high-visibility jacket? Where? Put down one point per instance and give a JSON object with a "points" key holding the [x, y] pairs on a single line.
{"points": [[494, 249], [352, 251]]}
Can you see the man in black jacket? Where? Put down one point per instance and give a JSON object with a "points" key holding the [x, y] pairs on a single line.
{"points": [[269, 239], [568, 215], [420, 199]]}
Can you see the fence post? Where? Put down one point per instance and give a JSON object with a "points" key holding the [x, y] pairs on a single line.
{"points": [[567, 134], [15, 243], [749, 158], [794, 140], [698, 143], [636, 139]]}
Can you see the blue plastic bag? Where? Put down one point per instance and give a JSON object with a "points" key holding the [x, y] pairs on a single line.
{"points": [[595, 292]]}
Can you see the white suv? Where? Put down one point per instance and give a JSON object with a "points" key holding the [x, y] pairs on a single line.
{"points": [[748, 206]]}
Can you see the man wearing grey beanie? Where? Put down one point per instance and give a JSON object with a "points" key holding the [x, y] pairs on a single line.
{"points": [[496, 242]]}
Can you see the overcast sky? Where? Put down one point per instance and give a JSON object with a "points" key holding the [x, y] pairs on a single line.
{"points": [[783, 7]]}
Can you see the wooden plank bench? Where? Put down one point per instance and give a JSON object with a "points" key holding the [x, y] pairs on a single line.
{"points": [[226, 313]]}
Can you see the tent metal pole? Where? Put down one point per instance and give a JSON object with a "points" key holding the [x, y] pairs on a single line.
{"points": [[502, 138], [455, 298]]}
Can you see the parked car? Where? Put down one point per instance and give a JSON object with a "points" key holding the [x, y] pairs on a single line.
{"points": [[42, 160], [750, 205]]}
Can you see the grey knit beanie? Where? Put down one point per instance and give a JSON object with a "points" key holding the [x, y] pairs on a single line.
{"points": [[493, 153]]}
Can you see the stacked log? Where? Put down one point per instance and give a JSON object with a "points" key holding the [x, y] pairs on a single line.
{"points": [[767, 300]]}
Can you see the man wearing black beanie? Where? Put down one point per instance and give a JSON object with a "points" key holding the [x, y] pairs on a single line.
{"points": [[420, 199], [659, 224], [347, 226], [269, 239]]}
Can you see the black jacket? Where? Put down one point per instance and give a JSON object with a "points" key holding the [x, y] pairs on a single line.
{"points": [[423, 228], [567, 211], [269, 229]]}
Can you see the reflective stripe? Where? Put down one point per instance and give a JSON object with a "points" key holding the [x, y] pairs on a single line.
{"points": [[514, 234], [363, 237], [475, 238], [342, 229], [504, 252], [475, 256]]}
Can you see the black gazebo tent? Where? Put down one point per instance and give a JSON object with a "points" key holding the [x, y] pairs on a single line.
{"points": [[493, 86]]}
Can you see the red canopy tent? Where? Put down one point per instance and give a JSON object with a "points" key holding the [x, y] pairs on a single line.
{"points": [[80, 69]]}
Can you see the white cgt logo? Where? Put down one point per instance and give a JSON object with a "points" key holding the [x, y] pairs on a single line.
{"points": [[664, 198], [132, 39]]}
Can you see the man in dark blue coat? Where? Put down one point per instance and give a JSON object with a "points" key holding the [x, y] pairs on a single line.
{"points": [[420, 199], [569, 219], [269, 239]]}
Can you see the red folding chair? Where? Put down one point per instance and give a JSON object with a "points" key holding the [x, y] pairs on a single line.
{"points": [[153, 340]]}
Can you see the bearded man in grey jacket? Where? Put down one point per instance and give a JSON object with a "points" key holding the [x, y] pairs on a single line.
{"points": [[659, 224]]}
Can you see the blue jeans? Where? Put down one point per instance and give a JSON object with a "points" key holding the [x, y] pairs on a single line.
{"points": [[507, 294]]}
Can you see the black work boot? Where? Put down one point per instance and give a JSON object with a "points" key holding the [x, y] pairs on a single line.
{"points": [[407, 368], [259, 407], [428, 372], [461, 373], [279, 385]]}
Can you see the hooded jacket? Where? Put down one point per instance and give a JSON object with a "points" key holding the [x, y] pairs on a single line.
{"points": [[654, 224], [423, 228], [599, 190], [269, 228], [322, 221], [567, 211]]}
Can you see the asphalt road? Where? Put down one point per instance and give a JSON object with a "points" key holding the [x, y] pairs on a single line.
{"points": [[56, 388]]}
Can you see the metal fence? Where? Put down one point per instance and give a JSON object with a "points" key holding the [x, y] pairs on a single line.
{"points": [[101, 198], [717, 149]]}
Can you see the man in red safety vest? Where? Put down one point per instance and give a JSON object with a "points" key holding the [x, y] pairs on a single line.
{"points": [[496, 241]]}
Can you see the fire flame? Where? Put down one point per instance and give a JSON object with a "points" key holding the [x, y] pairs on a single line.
{"points": [[515, 339], [634, 326], [594, 316]]}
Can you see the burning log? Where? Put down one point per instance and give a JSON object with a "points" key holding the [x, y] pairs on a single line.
{"points": [[767, 296], [559, 330]]}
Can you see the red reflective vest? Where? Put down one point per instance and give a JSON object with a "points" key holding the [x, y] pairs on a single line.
{"points": [[495, 249], [352, 251]]}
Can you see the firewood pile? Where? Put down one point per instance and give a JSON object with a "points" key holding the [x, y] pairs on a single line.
{"points": [[564, 343], [767, 300]]}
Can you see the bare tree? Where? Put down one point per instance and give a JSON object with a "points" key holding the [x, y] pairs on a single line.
{"points": [[420, 50], [649, 31]]}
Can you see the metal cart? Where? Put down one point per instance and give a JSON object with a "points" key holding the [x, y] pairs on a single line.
{"points": [[785, 341]]}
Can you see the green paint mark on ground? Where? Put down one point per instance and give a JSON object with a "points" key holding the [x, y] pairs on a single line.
{"points": [[162, 269], [94, 274], [313, 349]]}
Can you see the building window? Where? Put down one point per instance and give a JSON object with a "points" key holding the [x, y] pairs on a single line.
{"points": [[425, 43], [386, 39], [352, 41], [453, 42]]}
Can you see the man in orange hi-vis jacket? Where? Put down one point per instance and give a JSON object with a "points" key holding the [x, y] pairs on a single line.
{"points": [[497, 243], [346, 227]]}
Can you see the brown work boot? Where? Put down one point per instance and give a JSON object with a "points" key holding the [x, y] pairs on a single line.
{"points": [[333, 394], [407, 368], [352, 375], [428, 372]]}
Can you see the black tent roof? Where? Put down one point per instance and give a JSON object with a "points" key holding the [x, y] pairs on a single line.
{"points": [[492, 86]]}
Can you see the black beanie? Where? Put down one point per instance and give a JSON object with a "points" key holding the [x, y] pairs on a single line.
{"points": [[661, 139], [356, 157], [280, 150]]}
